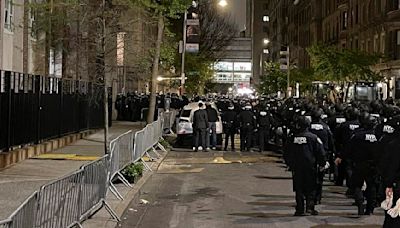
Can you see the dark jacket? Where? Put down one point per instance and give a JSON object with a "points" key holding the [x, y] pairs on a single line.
{"points": [[200, 119], [212, 114], [229, 119], [390, 163], [247, 119], [322, 130], [303, 152]]}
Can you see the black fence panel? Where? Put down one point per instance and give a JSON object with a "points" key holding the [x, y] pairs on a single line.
{"points": [[50, 108], [36, 108], [70, 108], [4, 109]]}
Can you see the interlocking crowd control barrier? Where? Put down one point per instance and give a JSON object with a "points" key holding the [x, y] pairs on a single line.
{"points": [[72, 199]]}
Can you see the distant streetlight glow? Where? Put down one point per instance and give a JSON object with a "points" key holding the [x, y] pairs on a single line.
{"points": [[266, 41], [222, 3]]}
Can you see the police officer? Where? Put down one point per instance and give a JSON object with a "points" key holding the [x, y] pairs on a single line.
{"points": [[346, 131], [322, 130], [229, 121], [264, 124], [390, 170], [303, 153], [247, 121], [362, 151]]}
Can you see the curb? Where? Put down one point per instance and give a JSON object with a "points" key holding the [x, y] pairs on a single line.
{"points": [[136, 190], [101, 219]]}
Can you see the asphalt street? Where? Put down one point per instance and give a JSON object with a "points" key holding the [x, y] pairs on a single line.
{"points": [[215, 189]]}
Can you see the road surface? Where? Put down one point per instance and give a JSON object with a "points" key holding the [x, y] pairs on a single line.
{"points": [[215, 189]]}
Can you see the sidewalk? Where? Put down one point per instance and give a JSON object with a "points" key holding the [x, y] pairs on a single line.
{"points": [[19, 181]]}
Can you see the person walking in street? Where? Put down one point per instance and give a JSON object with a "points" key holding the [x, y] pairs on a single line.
{"points": [[229, 121], [247, 121], [303, 153], [322, 130], [362, 151], [200, 126], [212, 123]]}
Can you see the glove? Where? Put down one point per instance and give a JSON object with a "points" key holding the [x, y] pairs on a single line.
{"points": [[395, 212], [327, 165]]}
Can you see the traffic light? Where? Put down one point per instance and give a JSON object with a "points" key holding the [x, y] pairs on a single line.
{"points": [[284, 58]]}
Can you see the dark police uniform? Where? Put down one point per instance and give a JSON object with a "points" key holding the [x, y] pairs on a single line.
{"points": [[247, 121], [303, 153], [264, 124], [322, 130], [390, 168], [362, 151], [229, 121]]}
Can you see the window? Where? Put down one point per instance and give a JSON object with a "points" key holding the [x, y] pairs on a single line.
{"points": [[398, 38], [344, 20], [356, 16], [265, 18], [32, 18], [8, 15], [382, 43], [266, 51], [265, 29], [120, 48]]}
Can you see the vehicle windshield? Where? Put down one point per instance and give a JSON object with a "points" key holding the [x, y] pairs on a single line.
{"points": [[365, 93], [185, 113]]}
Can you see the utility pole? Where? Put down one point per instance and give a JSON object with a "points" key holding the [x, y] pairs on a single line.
{"points": [[103, 43], [288, 72], [183, 54]]}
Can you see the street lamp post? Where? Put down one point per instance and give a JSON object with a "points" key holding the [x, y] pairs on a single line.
{"points": [[221, 3]]}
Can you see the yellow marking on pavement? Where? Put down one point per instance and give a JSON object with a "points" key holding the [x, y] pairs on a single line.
{"points": [[221, 160], [72, 157]]}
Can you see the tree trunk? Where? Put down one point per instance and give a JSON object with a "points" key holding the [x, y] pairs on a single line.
{"points": [[154, 74]]}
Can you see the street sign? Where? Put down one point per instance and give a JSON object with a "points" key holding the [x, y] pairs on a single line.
{"points": [[192, 48]]}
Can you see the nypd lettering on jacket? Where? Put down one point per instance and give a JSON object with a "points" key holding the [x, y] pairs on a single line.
{"points": [[340, 120], [370, 138], [300, 140], [354, 126], [317, 127], [388, 129]]}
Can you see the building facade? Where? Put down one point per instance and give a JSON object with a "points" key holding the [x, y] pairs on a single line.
{"points": [[260, 29], [235, 67], [372, 26], [20, 49]]}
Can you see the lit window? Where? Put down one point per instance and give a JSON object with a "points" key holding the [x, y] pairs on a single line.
{"points": [[120, 48], [265, 18], [398, 37], [266, 51], [8, 14], [266, 41]]}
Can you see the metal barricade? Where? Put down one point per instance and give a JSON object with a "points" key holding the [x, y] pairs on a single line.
{"points": [[94, 187], [121, 155], [60, 202], [69, 200], [24, 216], [5, 224]]}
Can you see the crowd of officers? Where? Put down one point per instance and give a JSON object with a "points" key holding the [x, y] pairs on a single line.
{"points": [[134, 106], [357, 144]]}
